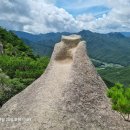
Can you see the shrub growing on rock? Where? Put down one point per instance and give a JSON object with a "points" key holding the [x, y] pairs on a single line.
{"points": [[120, 97]]}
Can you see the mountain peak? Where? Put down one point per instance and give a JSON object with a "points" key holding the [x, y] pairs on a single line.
{"points": [[116, 34], [85, 31]]}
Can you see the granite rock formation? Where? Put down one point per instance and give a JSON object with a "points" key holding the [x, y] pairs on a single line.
{"points": [[70, 95]]}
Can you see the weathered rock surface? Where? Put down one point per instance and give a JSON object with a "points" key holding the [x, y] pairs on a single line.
{"points": [[1, 48], [70, 95]]}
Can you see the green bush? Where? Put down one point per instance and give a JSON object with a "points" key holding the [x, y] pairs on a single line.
{"points": [[120, 97], [19, 73], [19, 67]]}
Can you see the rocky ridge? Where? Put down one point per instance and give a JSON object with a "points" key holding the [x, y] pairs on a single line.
{"points": [[70, 95]]}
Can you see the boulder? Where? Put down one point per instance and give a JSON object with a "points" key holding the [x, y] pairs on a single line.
{"points": [[70, 95]]}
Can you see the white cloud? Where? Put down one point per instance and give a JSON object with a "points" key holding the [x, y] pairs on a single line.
{"points": [[117, 19], [42, 16], [37, 16]]}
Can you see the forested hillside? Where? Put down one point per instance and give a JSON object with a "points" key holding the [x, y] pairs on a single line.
{"points": [[110, 48], [14, 46], [116, 75], [19, 67]]}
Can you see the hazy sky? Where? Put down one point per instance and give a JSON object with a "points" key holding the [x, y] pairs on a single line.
{"points": [[43, 16]]}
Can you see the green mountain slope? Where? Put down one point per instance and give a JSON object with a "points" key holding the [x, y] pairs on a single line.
{"points": [[14, 46], [110, 48], [115, 75], [19, 67]]}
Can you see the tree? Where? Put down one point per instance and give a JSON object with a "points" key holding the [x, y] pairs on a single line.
{"points": [[20, 72], [19, 67]]}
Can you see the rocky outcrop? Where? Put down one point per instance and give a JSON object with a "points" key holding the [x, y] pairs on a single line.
{"points": [[70, 95], [1, 48]]}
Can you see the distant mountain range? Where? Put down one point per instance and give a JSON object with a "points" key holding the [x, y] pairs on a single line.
{"points": [[110, 48], [127, 34]]}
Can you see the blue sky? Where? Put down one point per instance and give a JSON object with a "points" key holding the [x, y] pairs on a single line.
{"points": [[81, 6], [43, 16]]}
